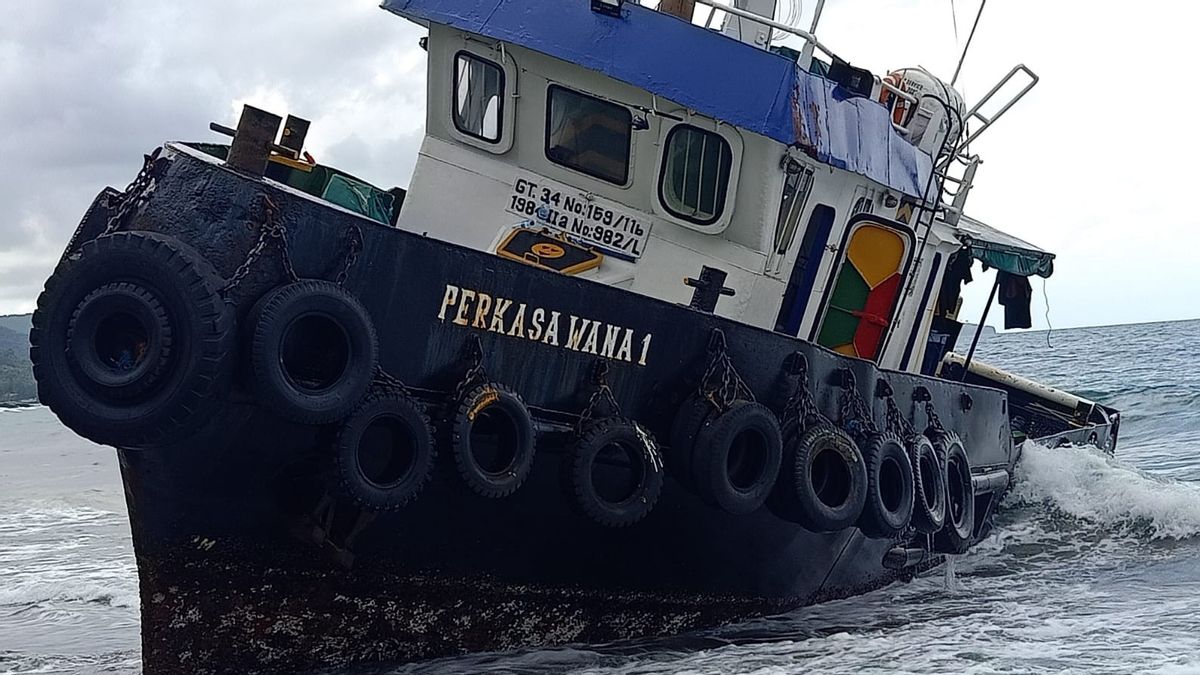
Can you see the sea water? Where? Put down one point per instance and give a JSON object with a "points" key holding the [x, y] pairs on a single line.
{"points": [[1094, 566]]}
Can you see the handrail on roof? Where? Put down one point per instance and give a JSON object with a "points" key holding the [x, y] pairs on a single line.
{"points": [[798, 32]]}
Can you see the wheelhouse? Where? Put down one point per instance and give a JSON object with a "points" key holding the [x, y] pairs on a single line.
{"points": [[668, 147]]}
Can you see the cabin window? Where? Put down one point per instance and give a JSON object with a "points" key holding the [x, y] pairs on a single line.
{"points": [[478, 97], [797, 185], [695, 175], [589, 135]]}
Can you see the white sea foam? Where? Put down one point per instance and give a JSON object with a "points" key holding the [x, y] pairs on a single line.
{"points": [[42, 558], [1086, 484]]}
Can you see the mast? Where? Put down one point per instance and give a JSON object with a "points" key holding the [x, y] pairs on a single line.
{"points": [[807, 53]]}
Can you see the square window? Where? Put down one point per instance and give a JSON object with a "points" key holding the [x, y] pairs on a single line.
{"points": [[589, 135], [695, 174], [478, 97]]}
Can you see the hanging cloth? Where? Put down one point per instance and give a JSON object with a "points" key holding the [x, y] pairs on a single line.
{"points": [[1015, 295], [958, 272]]}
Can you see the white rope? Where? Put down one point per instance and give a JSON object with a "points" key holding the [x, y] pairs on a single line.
{"points": [[1046, 299]]}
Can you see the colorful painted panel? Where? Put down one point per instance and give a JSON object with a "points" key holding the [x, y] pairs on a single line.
{"points": [[864, 293]]}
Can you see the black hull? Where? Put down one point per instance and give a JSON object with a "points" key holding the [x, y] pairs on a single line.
{"points": [[252, 558], [248, 568]]}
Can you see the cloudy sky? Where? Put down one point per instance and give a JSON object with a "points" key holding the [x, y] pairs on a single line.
{"points": [[1093, 165]]}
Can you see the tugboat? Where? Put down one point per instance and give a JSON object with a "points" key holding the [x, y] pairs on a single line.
{"points": [[659, 338]]}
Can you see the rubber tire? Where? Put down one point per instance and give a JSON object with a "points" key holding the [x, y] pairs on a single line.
{"points": [[195, 378], [959, 532], [269, 322], [88, 319], [496, 399], [797, 497], [579, 463], [711, 454], [929, 516], [397, 493], [693, 415], [878, 521]]}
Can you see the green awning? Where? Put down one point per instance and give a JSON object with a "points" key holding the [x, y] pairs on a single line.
{"points": [[1003, 251]]}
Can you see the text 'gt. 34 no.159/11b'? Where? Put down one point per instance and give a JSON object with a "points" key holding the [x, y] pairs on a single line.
{"points": [[660, 337]]}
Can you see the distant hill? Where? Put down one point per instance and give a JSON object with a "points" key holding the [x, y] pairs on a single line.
{"points": [[16, 373], [17, 322]]}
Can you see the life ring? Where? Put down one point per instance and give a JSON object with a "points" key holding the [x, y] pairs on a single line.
{"points": [[614, 473], [902, 110], [132, 344], [385, 452], [890, 487], [929, 485], [958, 534], [736, 458], [692, 415], [313, 351], [823, 482], [492, 440]]}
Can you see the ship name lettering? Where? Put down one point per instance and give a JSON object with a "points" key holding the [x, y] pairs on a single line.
{"points": [[505, 316]]}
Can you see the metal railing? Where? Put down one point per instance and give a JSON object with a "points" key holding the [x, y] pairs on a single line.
{"points": [[808, 37]]}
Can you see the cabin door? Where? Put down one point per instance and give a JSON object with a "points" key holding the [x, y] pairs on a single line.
{"points": [[860, 305], [804, 271]]}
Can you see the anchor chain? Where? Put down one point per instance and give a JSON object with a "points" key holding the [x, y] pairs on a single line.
{"points": [[721, 383], [896, 422], [136, 194], [475, 374], [603, 404], [388, 383], [934, 422], [354, 246], [854, 414], [602, 399], [800, 406], [270, 228]]}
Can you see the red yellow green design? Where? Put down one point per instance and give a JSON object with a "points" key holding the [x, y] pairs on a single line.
{"points": [[864, 295]]}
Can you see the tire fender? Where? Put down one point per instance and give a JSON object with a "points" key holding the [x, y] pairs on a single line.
{"points": [[823, 484], [492, 440], [929, 485], [890, 487], [132, 344], [695, 412], [608, 442], [736, 458], [958, 533], [385, 452], [313, 351]]}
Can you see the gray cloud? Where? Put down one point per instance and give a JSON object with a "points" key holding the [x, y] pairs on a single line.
{"points": [[1094, 165], [87, 88]]}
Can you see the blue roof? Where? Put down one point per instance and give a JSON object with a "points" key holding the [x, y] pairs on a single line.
{"points": [[703, 70]]}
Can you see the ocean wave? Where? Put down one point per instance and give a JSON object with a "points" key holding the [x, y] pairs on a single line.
{"points": [[1088, 486], [114, 590]]}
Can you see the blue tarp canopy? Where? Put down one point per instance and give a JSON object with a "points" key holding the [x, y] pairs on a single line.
{"points": [[705, 71], [1003, 251]]}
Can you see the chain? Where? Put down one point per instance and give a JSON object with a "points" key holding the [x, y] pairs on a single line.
{"points": [[136, 194], [855, 414], [354, 246], [721, 383], [933, 417], [896, 422], [475, 372], [389, 383], [603, 396], [270, 228], [800, 406]]}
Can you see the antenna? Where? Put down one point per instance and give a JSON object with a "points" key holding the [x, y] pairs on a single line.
{"points": [[968, 46]]}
